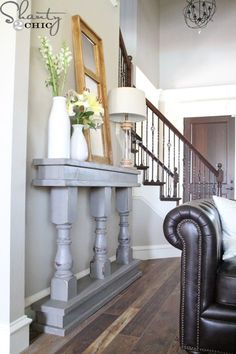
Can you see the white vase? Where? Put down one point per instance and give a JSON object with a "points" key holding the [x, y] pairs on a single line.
{"points": [[78, 145], [59, 129]]}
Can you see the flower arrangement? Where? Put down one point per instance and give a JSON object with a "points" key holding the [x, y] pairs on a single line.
{"points": [[84, 108], [56, 65]]}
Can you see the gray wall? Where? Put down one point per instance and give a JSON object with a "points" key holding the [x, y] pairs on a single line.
{"points": [[140, 28], [172, 55], [190, 59], [148, 39], [101, 15]]}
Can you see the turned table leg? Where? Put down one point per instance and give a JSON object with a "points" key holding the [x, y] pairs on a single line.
{"points": [[124, 253], [63, 211], [100, 205]]}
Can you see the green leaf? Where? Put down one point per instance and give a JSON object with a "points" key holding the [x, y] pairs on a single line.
{"points": [[88, 114]]}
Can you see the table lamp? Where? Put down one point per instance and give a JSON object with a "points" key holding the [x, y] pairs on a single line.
{"points": [[127, 105]]}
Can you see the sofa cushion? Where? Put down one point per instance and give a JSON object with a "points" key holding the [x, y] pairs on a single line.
{"points": [[227, 212], [226, 282]]}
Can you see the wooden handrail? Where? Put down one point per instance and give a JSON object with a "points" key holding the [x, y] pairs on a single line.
{"points": [[127, 59], [181, 137]]}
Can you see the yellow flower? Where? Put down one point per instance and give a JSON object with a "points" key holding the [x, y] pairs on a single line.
{"points": [[95, 105], [85, 108]]}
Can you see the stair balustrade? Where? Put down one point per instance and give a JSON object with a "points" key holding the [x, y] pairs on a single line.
{"points": [[167, 158], [170, 161], [125, 65]]}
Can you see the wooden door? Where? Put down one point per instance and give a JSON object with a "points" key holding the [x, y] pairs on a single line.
{"points": [[214, 138]]}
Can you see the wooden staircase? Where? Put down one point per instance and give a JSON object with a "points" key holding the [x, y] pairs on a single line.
{"points": [[168, 160]]}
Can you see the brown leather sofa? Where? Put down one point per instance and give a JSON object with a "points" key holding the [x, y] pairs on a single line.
{"points": [[208, 284]]}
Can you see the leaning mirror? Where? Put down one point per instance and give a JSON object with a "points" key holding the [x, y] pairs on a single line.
{"points": [[90, 74]]}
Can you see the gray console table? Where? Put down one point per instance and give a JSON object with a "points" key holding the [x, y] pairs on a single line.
{"points": [[72, 301]]}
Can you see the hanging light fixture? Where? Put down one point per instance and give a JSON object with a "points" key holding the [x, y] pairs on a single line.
{"points": [[198, 13]]}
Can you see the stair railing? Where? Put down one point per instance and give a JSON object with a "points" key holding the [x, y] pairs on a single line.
{"points": [[171, 161], [125, 65], [166, 157]]}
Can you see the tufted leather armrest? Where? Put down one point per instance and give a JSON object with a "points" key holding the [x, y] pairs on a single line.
{"points": [[195, 228]]}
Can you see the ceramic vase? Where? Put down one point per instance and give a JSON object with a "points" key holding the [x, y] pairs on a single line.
{"points": [[59, 129], [78, 146]]}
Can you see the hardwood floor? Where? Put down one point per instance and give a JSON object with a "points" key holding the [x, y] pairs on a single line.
{"points": [[143, 319]]}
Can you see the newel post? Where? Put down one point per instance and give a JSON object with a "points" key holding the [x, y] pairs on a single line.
{"points": [[176, 181], [219, 179]]}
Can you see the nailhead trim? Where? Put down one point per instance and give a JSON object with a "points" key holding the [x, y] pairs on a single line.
{"points": [[184, 221], [186, 347], [198, 289]]}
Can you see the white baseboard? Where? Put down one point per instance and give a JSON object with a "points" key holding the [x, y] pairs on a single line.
{"points": [[14, 338], [45, 292], [155, 252], [139, 252]]}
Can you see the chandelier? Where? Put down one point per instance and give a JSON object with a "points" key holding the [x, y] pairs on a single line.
{"points": [[198, 13]]}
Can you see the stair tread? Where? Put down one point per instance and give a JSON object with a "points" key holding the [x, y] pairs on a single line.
{"points": [[153, 183], [142, 167], [174, 199]]}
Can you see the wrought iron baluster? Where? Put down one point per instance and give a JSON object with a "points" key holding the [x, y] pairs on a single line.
{"points": [[179, 164], [142, 140], [163, 149], [168, 163], [203, 194], [158, 149], [134, 145], [190, 174], [209, 184], [152, 133], [174, 151], [199, 181], [194, 163], [147, 157]]}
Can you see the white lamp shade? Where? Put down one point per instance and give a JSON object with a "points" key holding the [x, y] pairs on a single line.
{"points": [[127, 100]]}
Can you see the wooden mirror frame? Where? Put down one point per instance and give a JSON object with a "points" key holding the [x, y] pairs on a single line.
{"points": [[79, 28]]}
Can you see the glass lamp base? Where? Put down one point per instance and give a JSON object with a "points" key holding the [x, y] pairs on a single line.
{"points": [[126, 161]]}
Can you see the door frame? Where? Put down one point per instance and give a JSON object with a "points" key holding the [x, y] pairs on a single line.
{"points": [[188, 122]]}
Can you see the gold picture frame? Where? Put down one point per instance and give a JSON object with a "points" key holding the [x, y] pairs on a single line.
{"points": [[90, 74]]}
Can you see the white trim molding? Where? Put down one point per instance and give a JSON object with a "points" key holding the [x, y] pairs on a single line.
{"points": [[155, 252], [20, 323], [15, 337], [193, 94]]}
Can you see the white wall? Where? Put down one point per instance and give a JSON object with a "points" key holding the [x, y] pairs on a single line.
{"points": [[103, 17], [190, 59]]}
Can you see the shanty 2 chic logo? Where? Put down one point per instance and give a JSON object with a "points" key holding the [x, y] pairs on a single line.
{"points": [[39, 20]]}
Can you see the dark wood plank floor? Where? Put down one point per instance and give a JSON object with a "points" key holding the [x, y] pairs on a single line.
{"points": [[143, 319]]}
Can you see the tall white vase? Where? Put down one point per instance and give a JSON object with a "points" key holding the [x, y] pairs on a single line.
{"points": [[59, 129], [78, 146]]}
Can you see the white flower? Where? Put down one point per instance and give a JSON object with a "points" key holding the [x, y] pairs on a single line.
{"points": [[57, 65]]}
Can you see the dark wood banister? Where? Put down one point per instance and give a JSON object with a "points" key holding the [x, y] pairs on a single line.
{"points": [[181, 137], [137, 137], [127, 59]]}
